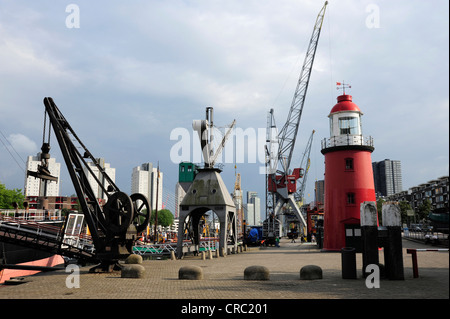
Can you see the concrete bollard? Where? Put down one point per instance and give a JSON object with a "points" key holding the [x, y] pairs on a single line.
{"points": [[133, 259], [203, 255], [132, 271], [256, 273], [172, 255], [190, 273], [310, 272], [217, 253], [210, 254]]}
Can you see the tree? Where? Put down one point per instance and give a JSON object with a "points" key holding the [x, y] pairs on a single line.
{"points": [[404, 207], [165, 217], [9, 196], [424, 209]]}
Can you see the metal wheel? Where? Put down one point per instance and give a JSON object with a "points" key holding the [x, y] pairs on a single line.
{"points": [[142, 211], [119, 212]]}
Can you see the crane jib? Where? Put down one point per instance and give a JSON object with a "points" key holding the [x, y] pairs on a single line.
{"points": [[287, 134]]}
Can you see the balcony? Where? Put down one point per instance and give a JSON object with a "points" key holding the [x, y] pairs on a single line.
{"points": [[347, 141]]}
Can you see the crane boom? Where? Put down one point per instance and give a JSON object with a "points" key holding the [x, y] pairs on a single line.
{"points": [[289, 131], [281, 184]]}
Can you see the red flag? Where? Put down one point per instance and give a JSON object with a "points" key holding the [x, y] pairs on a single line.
{"points": [[338, 83]]}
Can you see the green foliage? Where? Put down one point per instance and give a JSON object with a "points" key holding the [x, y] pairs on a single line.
{"points": [[404, 207], [424, 209], [165, 217], [9, 196]]}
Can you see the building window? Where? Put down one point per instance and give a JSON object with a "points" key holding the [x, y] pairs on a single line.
{"points": [[351, 198], [349, 163]]}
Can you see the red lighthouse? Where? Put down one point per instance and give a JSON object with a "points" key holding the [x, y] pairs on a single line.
{"points": [[348, 175]]}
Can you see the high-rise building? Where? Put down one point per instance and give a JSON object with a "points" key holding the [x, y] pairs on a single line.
{"points": [[106, 167], [387, 176], [252, 210], [144, 180], [319, 191], [36, 186]]}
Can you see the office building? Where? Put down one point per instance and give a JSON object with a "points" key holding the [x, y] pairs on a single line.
{"points": [[144, 180], [252, 210], [387, 177]]}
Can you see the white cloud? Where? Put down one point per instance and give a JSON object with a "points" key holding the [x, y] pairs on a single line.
{"points": [[22, 143]]}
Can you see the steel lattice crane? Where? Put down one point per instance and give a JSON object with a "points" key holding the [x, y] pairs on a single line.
{"points": [[281, 182], [298, 195]]}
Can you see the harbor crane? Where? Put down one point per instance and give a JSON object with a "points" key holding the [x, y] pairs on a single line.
{"points": [[113, 226], [281, 180], [306, 162]]}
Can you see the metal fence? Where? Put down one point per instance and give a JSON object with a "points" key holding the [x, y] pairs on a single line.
{"points": [[427, 236], [33, 214]]}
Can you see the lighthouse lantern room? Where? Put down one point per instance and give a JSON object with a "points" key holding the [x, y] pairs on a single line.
{"points": [[348, 175]]}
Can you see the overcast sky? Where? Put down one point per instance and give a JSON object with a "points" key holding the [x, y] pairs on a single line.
{"points": [[130, 73]]}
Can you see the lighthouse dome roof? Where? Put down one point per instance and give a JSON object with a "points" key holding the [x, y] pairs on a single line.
{"points": [[345, 104]]}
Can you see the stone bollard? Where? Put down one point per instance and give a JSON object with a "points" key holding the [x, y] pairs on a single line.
{"points": [[310, 272], [217, 253], [256, 273], [203, 255], [133, 259], [132, 271], [172, 255], [210, 254], [190, 273]]}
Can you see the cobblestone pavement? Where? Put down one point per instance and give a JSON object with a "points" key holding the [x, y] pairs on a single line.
{"points": [[224, 278]]}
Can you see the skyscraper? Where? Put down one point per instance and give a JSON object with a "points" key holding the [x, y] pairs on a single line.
{"points": [[35, 186], [144, 180], [387, 176], [253, 209]]}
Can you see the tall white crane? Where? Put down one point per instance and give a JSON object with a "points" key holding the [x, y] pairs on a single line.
{"points": [[281, 181]]}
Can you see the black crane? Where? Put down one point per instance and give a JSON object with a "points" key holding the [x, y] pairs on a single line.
{"points": [[114, 226]]}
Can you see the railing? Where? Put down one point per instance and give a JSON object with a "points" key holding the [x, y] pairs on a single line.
{"points": [[43, 236], [164, 249], [346, 140], [428, 237], [31, 226], [33, 214]]}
